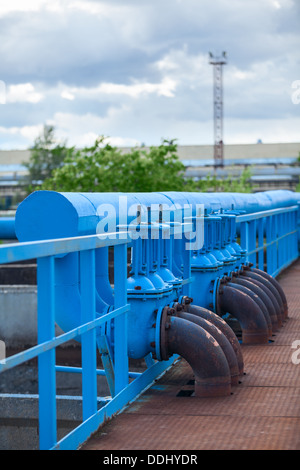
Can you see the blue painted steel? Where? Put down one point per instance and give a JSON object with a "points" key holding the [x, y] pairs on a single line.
{"points": [[28, 354], [157, 266], [7, 228], [274, 232], [46, 360], [78, 370], [45, 350], [88, 339], [120, 324], [80, 434], [71, 234]]}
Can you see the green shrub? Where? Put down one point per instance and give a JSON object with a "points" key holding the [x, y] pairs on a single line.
{"points": [[104, 168]]}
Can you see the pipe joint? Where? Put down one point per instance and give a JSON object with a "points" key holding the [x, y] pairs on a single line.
{"points": [[202, 352], [243, 307]]}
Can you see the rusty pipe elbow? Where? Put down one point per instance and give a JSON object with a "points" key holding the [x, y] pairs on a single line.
{"points": [[276, 285], [251, 293], [264, 294], [276, 297], [246, 310], [220, 338], [223, 326], [203, 353], [270, 292]]}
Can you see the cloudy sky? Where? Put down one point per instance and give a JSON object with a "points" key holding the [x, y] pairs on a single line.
{"points": [[138, 70]]}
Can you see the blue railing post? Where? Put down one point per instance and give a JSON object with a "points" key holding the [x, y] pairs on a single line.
{"points": [[46, 360], [88, 339], [280, 243], [276, 241], [260, 228], [269, 246], [274, 244], [120, 295], [244, 236]]}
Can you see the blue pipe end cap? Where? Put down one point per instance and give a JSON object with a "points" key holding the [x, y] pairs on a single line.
{"points": [[50, 215]]}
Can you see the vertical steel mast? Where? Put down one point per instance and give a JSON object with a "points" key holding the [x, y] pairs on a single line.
{"points": [[218, 63]]}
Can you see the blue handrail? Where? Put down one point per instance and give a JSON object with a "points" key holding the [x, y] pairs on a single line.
{"points": [[46, 252], [270, 237]]}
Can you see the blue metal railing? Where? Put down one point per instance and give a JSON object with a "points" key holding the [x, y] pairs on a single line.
{"points": [[46, 253], [270, 238]]}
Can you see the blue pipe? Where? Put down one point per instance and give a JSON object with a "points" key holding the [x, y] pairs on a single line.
{"points": [[7, 228], [156, 277]]}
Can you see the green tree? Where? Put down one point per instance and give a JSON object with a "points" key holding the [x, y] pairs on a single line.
{"points": [[46, 155], [104, 168], [210, 183]]}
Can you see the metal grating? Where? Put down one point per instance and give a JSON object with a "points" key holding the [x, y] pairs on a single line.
{"points": [[262, 414]]}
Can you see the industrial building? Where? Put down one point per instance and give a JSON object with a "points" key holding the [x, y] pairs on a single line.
{"points": [[273, 166]]}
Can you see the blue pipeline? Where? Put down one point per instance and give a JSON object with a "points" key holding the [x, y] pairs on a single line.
{"points": [[7, 228], [220, 253], [157, 263], [151, 284]]}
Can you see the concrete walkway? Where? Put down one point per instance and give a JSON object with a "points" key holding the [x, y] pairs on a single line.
{"points": [[263, 413]]}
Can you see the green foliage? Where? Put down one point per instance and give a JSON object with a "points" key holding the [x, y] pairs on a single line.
{"points": [[210, 183], [46, 155], [103, 168], [229, 184]]}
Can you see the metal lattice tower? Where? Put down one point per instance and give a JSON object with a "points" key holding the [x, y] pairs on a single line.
{"points": [[218, 63]]}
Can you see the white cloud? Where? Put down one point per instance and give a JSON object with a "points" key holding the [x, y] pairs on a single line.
{"points": [[165, 88], [23, 92], [30, 132], [67, 95], [19, 137], [269, 131], [185, 67], [55, 6], [21, 6], [242, 74], [278, 4], [140, 71], [94, 8], [137, 89], [82, 130]]}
